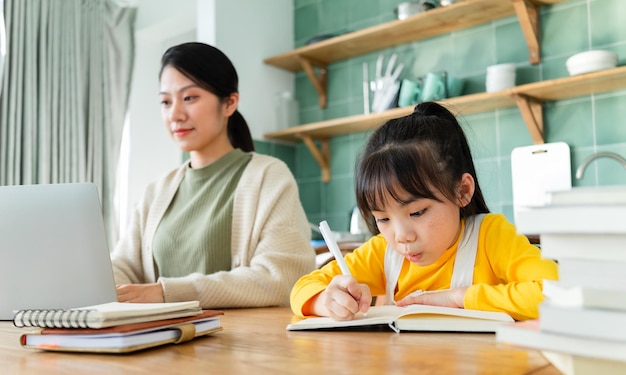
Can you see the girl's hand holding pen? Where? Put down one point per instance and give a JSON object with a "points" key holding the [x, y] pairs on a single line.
{"points": [[343, 299]]}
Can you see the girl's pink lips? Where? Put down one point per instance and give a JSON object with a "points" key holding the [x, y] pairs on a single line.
{"points": [[414, 257]]}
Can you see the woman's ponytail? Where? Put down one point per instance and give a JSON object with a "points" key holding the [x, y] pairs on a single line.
{"points": [[239, 133]]}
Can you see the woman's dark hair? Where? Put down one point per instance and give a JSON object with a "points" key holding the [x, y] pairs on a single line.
{"points": [[211, 69], [417, 153]]}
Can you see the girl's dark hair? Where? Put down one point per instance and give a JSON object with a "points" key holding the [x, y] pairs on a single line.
{"points": [[210, 68], [422, 153]]}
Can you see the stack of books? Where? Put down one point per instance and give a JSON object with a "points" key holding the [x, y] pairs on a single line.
{"points": [[582, 321], [115, 327]]}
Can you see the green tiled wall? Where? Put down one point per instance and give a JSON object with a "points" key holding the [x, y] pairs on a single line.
{"points": [[588, 124]]}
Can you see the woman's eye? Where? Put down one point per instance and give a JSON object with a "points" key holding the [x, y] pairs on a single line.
{"points": [[418, 213], [189, 98], [165, 102]]}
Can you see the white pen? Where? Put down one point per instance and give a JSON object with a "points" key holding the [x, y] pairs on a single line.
{"points": [[334, 249]]}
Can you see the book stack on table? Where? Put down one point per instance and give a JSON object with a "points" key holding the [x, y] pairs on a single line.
{"points": [[582, 321], [115, 327]]}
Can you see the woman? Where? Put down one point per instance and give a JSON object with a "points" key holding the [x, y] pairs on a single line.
{"points": [[227, 227]]}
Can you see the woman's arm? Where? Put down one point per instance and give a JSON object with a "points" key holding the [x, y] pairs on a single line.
{"points": [[132, 256]]}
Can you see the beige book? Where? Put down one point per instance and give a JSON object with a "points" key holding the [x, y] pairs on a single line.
{"points": [[413, 318]]}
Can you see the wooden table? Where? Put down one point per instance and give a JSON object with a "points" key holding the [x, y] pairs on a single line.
{"points": [[254, 341]]}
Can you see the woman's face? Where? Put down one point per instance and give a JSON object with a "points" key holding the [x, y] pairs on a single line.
{"points": [[195, 118]]}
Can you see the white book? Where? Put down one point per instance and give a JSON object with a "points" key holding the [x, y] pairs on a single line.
{"points": [[589, 195], [561, 294], [528, 334], [584, 246], [592, 273], [413, 318], [570, 364], [588, 219], [583, 322]]}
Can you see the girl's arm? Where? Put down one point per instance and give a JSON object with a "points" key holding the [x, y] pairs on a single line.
{"points": [[508, 275], [366, 265], [509, 272]]}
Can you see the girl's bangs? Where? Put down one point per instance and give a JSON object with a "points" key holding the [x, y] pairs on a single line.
{"points": [[395, 170]]}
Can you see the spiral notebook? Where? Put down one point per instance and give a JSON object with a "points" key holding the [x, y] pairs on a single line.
{"points": [[105, 315], [53, 248]]}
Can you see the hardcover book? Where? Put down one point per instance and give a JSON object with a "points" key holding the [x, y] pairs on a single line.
{"points": [[594, 274], [575, 296], [528, 334], [584, 246], [124, 338], [583, 322]]}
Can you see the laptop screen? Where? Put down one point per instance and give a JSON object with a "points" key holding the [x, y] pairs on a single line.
{"points": [[53, 248]]}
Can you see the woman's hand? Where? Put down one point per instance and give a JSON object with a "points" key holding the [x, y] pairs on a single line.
{"points": [[143, 293], [447, 298], [342, 299]]}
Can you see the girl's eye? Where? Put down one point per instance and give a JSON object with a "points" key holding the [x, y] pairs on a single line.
{"points": [[189, 98], [418, 213], [381, 220], [165, 102]]}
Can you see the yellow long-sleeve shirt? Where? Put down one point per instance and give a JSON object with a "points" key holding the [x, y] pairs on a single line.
{"points": [[508, 272]]}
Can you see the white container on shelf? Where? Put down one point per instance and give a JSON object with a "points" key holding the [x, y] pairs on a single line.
{"points": [[591, 61], [500, 77], [286, 110]]}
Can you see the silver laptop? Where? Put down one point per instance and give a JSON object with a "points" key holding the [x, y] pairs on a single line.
{"points": [[53, 248]]}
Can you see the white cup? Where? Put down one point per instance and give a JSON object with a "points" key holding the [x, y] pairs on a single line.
{"points": [[500, 77], [501, 68]]}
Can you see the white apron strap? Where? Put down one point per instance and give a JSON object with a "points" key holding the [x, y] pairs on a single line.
{"points": [[463, 272], [393, 265]]}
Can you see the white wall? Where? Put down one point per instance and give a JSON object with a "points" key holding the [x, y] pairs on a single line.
{"points": [[246, 30]]}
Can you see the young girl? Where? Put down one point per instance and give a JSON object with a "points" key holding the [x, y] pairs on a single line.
{"points": [[437, 243]]}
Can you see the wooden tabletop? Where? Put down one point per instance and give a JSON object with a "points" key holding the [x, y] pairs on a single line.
{"points": [[254, 341]]}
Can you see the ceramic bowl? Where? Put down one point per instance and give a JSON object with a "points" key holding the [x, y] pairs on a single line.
{"points": [[591, 61]]}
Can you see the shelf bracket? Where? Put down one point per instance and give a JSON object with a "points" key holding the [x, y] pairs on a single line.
{"points": [[319, 82], [528, 17], [532, 112], [321, 156]]}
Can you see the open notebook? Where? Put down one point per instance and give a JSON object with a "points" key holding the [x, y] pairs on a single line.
{"points": [[53, 248], [413, 318]]}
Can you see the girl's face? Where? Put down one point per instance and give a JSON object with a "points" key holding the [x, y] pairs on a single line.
{"points": [[422, 229], [195, 118]]}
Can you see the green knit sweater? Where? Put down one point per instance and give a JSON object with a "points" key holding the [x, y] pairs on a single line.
{"points": [[190, 237]]}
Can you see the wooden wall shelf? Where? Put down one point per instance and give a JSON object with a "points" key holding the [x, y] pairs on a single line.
{"points": [[528, 98], [424, 25]]}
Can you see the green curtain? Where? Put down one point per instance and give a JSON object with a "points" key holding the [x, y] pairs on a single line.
{"points": [[64, 94]]}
